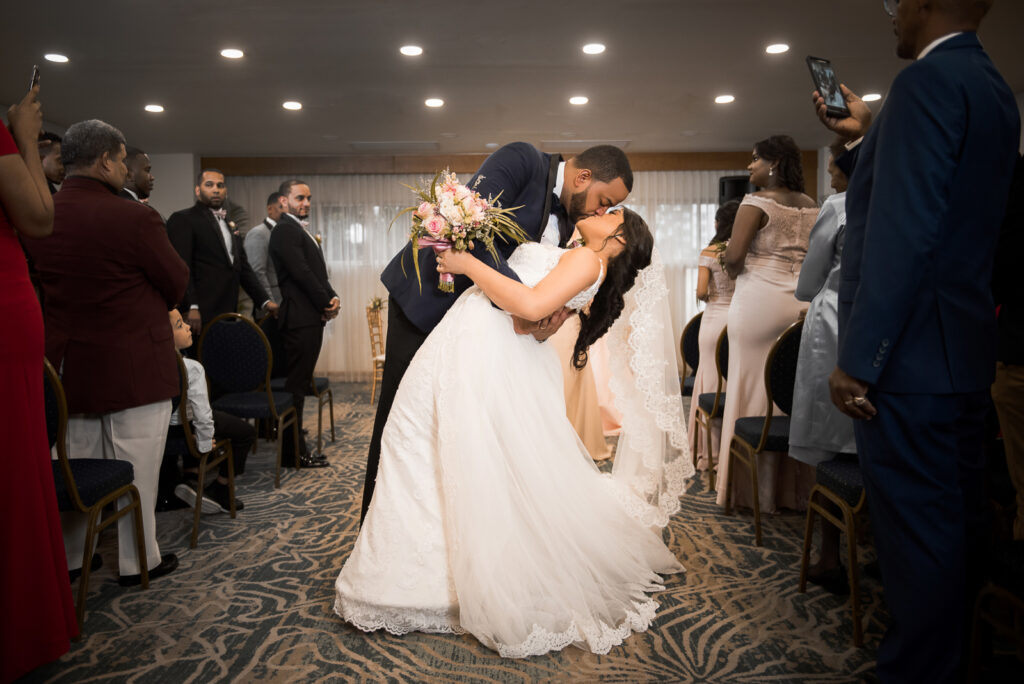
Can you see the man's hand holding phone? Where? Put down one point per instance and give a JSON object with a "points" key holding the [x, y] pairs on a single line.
{"points": [[850, 127]]}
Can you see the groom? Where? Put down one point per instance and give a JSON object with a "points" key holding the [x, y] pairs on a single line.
{"points": [[552, 193]]}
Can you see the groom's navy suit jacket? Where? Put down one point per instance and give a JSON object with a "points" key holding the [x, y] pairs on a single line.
{"points": [[525, 177], [925, 200]]}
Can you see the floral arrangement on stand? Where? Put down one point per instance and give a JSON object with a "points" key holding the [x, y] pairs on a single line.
{"points": [[451, 215], [376, 304]]}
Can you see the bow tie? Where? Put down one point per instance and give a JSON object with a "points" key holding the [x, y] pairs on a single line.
{"points": [[221, 214]]}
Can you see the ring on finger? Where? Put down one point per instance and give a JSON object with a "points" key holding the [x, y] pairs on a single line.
{"points": [[858, 400]]}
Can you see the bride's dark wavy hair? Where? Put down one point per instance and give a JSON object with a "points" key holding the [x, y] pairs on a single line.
{"points": [[622, 270]]}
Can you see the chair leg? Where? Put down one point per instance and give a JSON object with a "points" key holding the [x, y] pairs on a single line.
{"points": [[319, 424], [851, 552], [330, 404], [757, 501], [728, 478], [83, 580], [280, 445], [373, 386], [805, 556], [711, 456], [231, 477], [200, 488], [696, 437], [140, 539]]}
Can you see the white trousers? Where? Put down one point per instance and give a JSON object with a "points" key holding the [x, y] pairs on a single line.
{"points": [[136, 435]]}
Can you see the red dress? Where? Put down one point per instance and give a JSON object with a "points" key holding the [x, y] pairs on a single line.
{"points": [[37, 616]]}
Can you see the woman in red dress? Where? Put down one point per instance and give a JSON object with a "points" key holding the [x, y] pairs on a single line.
{"points": [[37, 616]]}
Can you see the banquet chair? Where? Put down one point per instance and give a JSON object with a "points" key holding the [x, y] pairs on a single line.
{"points": [[88, 485], [689, 348], [841, 482], [319, 386], [711, 405], [756, 434], [237, 358], [183, 440], [374, 320]]}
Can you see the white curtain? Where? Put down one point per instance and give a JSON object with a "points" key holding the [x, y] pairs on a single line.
{"points": [[352, 214]]}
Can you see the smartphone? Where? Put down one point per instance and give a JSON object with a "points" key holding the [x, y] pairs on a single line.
{"points": [[828, 86], [35, 77]]}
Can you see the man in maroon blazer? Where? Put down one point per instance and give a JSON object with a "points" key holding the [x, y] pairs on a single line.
{"points": [[110, 275]]}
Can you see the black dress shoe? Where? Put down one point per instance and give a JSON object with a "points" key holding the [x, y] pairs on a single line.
{"points": [[168, 564], [95, 564], [313, 460], [833, 581], [169, 502]]}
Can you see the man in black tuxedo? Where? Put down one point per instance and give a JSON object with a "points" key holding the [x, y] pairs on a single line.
{"points": [[307, 302], [210, 246], [138, 185], [552, 195]]}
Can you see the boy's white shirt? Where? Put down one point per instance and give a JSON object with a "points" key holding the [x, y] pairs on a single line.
{"points": [[198, 407]]}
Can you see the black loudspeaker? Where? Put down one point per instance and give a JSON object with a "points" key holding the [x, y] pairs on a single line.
{"points": [[733, 187]]}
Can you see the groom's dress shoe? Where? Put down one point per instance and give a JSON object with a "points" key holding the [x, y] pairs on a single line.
{"points": [[168, 564], [313, 460]]}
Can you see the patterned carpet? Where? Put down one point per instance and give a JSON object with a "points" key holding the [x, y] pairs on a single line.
{"points": [[253, 602]]}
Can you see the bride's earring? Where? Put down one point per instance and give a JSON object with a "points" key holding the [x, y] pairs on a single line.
{"points": [[771, 171]]}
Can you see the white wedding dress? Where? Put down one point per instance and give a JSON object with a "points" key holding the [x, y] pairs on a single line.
{"points": [[488, 516]]}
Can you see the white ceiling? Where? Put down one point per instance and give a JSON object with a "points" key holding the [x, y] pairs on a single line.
{"points": [[505, 70]]}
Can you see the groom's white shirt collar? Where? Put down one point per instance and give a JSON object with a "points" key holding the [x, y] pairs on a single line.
{"points": [[559, 181], [935, 43]]}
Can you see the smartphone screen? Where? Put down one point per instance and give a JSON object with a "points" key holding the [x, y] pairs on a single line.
{"points": [[825, 81]]}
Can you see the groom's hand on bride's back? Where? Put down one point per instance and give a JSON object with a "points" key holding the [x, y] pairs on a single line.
{"points": [[544, 328]]}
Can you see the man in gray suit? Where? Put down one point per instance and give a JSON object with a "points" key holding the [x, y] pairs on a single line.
{"points": [[257, 246]]}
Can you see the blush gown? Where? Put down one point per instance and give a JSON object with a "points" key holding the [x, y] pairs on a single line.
{"points": [[763, 305], [489, 517], [37, 616]]}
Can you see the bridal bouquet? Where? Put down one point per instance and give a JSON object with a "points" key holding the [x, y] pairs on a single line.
{"points": [[450, 215]]}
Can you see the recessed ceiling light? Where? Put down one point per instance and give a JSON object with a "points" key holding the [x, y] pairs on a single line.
{"points": [[232, 53], [55, 57], [411, 50], [593, 48], [724, 99], [579, 100], [872, 97], [434, 102], [292, 105], [491, 146], [155, 108], [777, 48]]}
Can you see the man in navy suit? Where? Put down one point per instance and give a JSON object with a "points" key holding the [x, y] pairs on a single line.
{"points": [[917, 345], [552, 195]]}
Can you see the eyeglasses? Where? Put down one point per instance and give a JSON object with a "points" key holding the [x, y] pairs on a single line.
{"points": [[890, 6]]}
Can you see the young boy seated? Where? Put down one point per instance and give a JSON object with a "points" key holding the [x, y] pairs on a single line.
{"points": [[209, 426]]}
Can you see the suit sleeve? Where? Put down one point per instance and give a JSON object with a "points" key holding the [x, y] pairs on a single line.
{"points": [[250, 281], [179, 230], [818, 262], [159, 260], [257, 251], [286, 245], [917, 152]]}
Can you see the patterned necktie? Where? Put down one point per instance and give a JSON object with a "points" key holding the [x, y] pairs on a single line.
{"points": [[221, 214]]}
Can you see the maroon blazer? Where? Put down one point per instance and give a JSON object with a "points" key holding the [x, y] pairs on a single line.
{"points": [[109, 276]]}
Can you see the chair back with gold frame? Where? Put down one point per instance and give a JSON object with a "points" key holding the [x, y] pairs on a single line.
{"points": [[689, 349], [374, 320]]}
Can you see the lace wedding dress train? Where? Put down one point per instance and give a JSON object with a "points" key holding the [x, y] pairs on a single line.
{"points": [[489, 516]]}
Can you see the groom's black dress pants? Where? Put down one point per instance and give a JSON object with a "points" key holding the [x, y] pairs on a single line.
{"points": [[403, 340]]}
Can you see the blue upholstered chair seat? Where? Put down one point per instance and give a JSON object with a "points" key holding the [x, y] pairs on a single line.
{"points": [[706, 402], [94, 477], [688, 386], [322, 384], [749, 430], [252, 404], [843, 477]]}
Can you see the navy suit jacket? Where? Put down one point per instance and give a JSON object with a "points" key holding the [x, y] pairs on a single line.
{"points": [[924, 206], [214, 278], [525, 177]]}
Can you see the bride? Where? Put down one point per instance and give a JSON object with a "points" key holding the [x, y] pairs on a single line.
{"points": [[488, 515]]}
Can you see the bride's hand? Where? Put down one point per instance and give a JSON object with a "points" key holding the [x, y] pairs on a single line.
{"points": [[453, 261]]}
